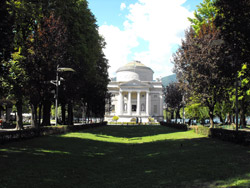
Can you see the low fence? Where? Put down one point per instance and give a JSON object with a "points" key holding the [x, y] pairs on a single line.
{"points": [[17, 135]]}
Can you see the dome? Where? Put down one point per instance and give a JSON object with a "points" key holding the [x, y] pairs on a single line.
{"points": [[134, 70]]}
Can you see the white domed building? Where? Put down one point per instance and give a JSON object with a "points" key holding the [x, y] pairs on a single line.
{"points": [[135, 94]]}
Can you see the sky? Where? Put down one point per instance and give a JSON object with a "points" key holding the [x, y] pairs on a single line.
{"points": [[149, 31]]}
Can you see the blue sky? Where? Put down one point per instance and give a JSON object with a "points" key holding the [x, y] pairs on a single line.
{"points": [[145, 30]]}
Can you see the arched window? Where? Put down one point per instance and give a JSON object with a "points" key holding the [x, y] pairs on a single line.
{"points": [[142, 107], [125, 107]]}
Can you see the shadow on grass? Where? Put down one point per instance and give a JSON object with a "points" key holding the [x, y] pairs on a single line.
{"points": [[132, 131], [59, 161]]}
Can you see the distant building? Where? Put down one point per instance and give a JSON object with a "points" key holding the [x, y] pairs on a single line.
{"points": [[135, 94]]}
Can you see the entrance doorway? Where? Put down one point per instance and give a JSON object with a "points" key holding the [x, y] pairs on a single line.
{"points": [[133, 108]]}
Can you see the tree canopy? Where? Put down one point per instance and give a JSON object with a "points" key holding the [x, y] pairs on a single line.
{"points": [[49, 34]]}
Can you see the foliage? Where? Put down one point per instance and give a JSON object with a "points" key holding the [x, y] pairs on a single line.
{"points": [[241, 137], [173, 95], [46, 50], [222, 109], [232, 15], [196, 111], [201, 130], [199, 64], [115, 118], [6, 31], [204, 15], [175, 125], [48, 34], [133, 120], [18, 135], [6, 43], [151, 120]]}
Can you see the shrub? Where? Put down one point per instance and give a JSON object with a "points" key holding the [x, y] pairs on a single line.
{"points": [[175, 125], [201, 130], [239, 137], [150, 119], [8, 136], [133, 120], [115, 118]]}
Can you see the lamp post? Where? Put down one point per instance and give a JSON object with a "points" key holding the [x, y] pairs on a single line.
{"points": [[183, 115], [57, 83]]}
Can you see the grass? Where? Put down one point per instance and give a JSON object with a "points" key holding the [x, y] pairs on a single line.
{"points": [[120, 156]]}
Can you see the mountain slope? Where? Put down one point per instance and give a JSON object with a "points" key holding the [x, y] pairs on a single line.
{"points": [[168, 79]]}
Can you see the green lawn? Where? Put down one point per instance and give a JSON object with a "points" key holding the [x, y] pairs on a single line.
{"points": [[119, 156]]}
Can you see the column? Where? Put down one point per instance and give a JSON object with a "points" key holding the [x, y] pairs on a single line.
{"points": [[129, 106], [138, 110], [147, 103], [120, 102], [161, 105]]}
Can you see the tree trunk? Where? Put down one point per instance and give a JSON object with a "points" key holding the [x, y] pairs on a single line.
{"points": [[46, 113], [221, 119], [233, 118], [63, 113], [19, 119], [211, 117], [40, 114], [70, 113], [243, 114], [177, 114], [229, 119], [34, 115], [172, 115]]}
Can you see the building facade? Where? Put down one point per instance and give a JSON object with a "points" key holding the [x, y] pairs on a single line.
{"points": [[135, 94]]}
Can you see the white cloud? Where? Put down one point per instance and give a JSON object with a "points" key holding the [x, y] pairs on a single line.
{"points": [[123, 6], [119, 45], [160, 22]]}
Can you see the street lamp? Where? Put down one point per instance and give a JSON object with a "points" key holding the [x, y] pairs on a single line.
{"points": [[183, 102], [57, 82]]}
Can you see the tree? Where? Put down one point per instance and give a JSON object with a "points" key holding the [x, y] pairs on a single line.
{"points": [[199, 63], [85, 51], [16, 83], [195, 110], [233, 19], [6, 41], [6, 31], [41, 44], [205, 14], [173, 98], [46, 50]]}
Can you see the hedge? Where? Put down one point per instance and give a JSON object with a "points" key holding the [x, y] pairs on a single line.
{"points": [[201, 130], [239, 137], [17, 135], [175, 125]]}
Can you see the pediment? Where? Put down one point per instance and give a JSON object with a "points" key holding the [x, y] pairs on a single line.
{"points": [[134, 83]]}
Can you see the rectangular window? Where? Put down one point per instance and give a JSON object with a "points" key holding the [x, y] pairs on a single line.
{"points": [[113, 108], [155, 109], [133, 108]]}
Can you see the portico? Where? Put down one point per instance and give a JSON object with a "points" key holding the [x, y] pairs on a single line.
{"points": [[133, 103], [135, 94]]}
